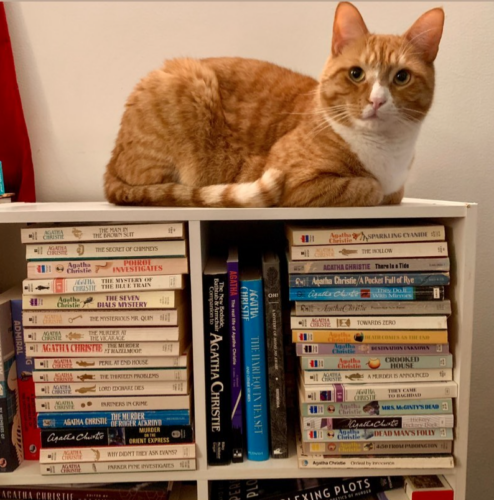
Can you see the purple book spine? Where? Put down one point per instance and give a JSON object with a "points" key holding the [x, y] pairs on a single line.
{"points": [[235, 356], [350, 349]]}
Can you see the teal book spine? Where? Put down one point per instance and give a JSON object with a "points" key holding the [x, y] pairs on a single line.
{"points": [[254, 356]]}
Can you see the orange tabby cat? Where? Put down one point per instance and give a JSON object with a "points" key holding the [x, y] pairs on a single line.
{"points": [[232, 132]]}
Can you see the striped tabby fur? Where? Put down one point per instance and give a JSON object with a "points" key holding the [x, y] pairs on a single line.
{"points": [[233, 132]]}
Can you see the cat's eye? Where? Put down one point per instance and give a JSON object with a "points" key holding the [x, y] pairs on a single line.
{"points": [[357, 74], [402, 77]]}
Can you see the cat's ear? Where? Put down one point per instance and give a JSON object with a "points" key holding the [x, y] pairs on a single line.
{"points": [[426, 32], [348, 26]]}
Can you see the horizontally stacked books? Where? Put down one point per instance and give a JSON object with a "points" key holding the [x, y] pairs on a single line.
{"points": [[106, 317], [370, 327]]}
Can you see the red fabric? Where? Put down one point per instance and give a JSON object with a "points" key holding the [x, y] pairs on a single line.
{"points": [[15, 150]]}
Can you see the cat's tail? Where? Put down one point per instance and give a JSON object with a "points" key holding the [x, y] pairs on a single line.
{"points": [[264, 192]]}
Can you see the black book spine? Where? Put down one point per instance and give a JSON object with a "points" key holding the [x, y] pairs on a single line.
{"points": [[10, 457], [275, 356], [116, 436], [217, 347]]}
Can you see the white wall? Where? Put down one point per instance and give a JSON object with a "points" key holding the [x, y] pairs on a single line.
{"points": [[77, 62]]}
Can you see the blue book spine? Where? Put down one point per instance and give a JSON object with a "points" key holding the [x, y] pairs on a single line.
{"points": [[372, 293], [235, 356], [113, 419], [255, 378], [363, 280]]}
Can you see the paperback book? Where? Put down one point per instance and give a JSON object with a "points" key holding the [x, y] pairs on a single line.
{"points": [[371, 336], [325, 349], [87, 376]]}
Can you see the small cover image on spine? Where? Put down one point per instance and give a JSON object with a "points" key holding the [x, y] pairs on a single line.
{"points": [[255, 375], [217, 352], [237, 402], [275, 357]]}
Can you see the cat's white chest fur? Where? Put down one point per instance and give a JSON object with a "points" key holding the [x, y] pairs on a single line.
{"points": [[387, 156]]}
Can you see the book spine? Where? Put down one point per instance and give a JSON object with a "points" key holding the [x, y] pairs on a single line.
{"points": [[11, 448], [100, 388], [25, 386], [370, 322], [107, 232], [328, 308], [89, 492], [375, 363], [237, 435], [376, 377], [218, 396], [102, 285], [87, 376], [45, 349], [107, 249], [108, 363], [106, 268], [122, 467], [369, 462], [378, 448], [375, 251], [116, 436], [68, 420], [375, 349], [378, 408], [436, 264], [402, 422], [359, 280], [167, 334], [255, 376], [336, 435], [367, 392], [371, 336], [320, 236], [135, 300], [117, 453], [372, 293], [275, 359], [100, 318], [91, 404]]}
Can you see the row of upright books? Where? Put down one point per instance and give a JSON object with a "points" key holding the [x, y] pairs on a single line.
{"points": [[103, 343], [369, 322]]}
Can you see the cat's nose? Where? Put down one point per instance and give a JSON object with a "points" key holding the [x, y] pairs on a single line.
{"points": [[377, 102]]}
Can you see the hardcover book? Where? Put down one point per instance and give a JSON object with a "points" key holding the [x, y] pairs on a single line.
{"points": [[217, 352], [255, 375], [428, 488], [235, 355], [275, 358]]}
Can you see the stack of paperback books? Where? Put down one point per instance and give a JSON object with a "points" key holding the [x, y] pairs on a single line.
{"points": [[370, 327], [106, 319]]}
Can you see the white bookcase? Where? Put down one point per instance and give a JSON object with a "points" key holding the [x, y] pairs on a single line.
{"points": [[208, 227]]}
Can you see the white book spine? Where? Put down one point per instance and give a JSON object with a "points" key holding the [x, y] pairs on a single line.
{"points": [[114, 250], [78, 376], [45, 349], [369, 251], [133, 403], [405, 422], [164, 334], [105, 388], [385, 462], [100, 318], [117, 453], [314, 377], [102, 268], [116, 300], [326, 236], [370, 392], [54, 234], [370, 322], [122, 467], [108, 363], [102, 285]]}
